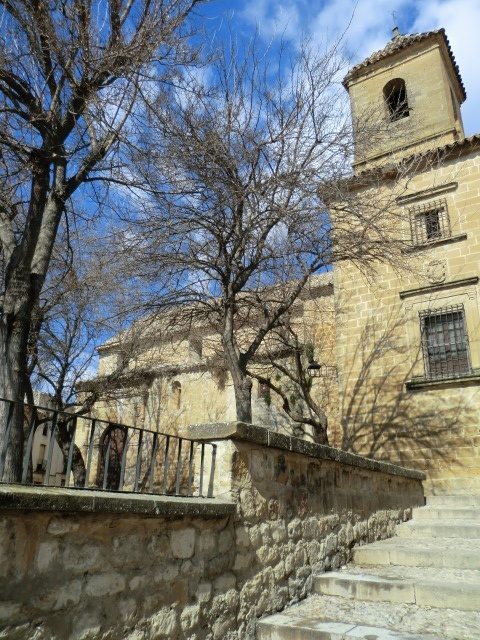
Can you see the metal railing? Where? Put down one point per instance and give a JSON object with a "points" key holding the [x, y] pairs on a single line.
{"points": [[68, 450]]}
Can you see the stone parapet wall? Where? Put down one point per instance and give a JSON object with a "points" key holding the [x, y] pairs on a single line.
{"points": [[87, 565]]}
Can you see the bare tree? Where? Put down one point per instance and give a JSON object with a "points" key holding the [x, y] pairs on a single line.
{"points": [[60, 348], [283, 370], [70, 73], [63, 329], [240, 163]]}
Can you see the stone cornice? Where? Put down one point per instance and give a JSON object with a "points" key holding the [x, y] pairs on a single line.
{"points": [[432, 288], [421, 384], [259, 435], [428, 193], [86, 501]]}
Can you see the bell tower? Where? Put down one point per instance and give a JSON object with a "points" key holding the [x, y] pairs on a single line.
{"points": [[405, 99]]}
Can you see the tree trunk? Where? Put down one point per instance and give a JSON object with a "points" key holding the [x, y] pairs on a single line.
{"points": [[13, 341], [20, 294], [320, 433], [24, 277], [242, 384], [63, 438], [243, 399]]}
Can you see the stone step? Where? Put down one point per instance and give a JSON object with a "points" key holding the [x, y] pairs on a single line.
{"points": [[334, 618], [454, 501], [279, 627], [444, 512], [424, 584], [438, 528], [424, 587], [437, 552]]}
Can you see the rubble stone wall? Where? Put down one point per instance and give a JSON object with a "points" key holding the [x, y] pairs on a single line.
{"points": [[76, 565]]}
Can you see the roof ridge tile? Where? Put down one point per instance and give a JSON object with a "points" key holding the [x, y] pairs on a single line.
{"points": [[399, 42]]}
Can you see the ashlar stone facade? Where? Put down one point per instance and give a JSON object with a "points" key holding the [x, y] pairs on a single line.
{"points": [[408, 343]]}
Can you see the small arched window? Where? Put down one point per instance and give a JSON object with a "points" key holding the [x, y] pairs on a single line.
{"points": [[176, 394], [395, 94]]}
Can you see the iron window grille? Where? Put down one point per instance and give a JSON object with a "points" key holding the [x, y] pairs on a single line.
{"points": [[429, 222], [445, 342], [263, 390]]}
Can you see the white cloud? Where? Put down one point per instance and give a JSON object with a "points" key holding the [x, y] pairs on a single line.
{"points": [[367, 27], [460, 18], [274, 18]]}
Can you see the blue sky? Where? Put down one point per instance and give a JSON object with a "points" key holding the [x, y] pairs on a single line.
{"points": [[367, 25]]}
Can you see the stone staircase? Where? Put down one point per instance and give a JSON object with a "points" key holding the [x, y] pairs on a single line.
{"points": [[424, 584]]}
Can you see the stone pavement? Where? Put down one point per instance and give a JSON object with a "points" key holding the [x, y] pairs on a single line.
{"points": [[423, 584]]}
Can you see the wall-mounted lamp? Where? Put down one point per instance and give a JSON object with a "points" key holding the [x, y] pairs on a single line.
{"points": [[321, 370]]}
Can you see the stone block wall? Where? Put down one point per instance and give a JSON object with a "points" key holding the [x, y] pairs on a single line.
{"points": [[87, 565], [103, 575], [384, 413]]}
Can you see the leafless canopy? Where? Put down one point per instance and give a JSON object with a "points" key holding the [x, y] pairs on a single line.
{"points": [[70, 73], [235, 223]]}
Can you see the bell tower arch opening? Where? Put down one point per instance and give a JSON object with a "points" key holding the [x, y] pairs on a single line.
{"points": [[395, 95]]}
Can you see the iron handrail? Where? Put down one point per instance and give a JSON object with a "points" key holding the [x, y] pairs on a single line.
{"points": [[106, 455]]}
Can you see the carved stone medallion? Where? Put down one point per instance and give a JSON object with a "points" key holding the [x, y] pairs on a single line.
{"points": [[436, 271]]}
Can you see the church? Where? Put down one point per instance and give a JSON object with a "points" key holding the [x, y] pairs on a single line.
{"points": [[405, 342]]}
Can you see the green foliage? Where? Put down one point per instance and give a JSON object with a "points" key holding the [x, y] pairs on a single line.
{"points": [[309, 351]]}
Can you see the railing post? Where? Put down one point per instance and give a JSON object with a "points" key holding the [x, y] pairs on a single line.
{"points": [[212, 471], [28, 451], [51, 441], [90, 452], [202, 464], [179, 464], [165, 466], [190, 469], [152, 461], [124, 460], [139, 461], [70, 452], [107, 457]]}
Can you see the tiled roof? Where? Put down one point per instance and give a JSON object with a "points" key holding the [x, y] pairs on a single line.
{"points": [[399, 42], [460, 146], [471, 140]]}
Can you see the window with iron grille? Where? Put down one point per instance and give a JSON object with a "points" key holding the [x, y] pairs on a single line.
{"points": [[445, 342], [430, 222], [263, 390]]}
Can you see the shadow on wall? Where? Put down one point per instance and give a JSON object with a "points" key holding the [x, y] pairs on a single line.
{"points": [[381, 419], [172, 404]]}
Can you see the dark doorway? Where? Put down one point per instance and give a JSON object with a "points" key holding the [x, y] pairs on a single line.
{"points": [[112, 444]]}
